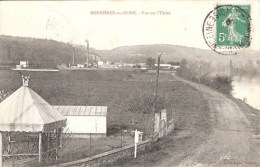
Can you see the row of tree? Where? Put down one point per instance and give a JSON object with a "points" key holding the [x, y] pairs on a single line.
{"points": [[201, 72], [248, 68]]}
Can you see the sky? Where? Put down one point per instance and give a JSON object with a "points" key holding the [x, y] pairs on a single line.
{"points": [[72, 21]]}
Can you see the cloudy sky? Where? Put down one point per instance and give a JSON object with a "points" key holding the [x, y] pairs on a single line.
{"points": [[72, 21]]}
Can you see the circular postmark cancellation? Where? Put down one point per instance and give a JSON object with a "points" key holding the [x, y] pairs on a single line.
{"points": [[226, 29]]}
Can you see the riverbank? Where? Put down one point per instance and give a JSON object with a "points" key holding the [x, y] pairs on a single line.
{"points": [[235, 138], [247, 88], [252, 114]]}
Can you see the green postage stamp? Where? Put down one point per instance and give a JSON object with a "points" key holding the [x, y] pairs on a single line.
{"points": [[227, 28], [233, 26]]}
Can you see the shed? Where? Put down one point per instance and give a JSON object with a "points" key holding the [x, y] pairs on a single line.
{"points": [[24, 64], [24, 111], [84, 121]]}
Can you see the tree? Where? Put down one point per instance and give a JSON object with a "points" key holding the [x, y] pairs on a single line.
{"points": [[222, 84], [183, 68], [150, 62], [183, 63], [142, 105]]}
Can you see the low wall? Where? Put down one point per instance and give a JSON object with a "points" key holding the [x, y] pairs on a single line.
{"points": [[107, 157]]}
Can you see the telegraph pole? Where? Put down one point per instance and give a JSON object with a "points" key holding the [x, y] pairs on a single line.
{"points": [[87, 50], [73, 61], [73, 52], [157, 79], [156, 94]]}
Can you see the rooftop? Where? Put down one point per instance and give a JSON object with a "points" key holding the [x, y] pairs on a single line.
{"points": [[81, 110]]}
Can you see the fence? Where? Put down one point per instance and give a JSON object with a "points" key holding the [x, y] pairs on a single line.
{"points": [[107, 157], [124, 152], [114, 155]]}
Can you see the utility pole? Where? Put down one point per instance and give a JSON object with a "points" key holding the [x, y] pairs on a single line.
{"points": [[156, 94], [87, 51], [157, 79], [73, 52], [73, 61]]}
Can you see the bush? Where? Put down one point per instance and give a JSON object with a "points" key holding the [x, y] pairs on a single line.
{"points": [[190, 72], [222, 84], [142, 105]]}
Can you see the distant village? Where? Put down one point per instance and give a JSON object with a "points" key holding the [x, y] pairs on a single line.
{"points": [[101, 64]]}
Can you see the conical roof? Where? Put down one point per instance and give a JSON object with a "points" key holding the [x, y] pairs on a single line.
{"points": [[25, 110]]}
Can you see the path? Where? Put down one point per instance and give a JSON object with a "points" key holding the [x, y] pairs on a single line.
{"points": [[232, 142]]}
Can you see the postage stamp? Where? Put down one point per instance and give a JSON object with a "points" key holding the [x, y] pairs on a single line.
{"points": [[226, 29]]}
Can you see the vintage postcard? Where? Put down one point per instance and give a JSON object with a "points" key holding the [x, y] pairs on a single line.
{"points": [[130, 83]]}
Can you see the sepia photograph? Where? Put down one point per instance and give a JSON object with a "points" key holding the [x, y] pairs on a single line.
{"points": [[122, 83]]}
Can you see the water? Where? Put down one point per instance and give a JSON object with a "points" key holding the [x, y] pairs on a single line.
{"points": [[247, 89]]}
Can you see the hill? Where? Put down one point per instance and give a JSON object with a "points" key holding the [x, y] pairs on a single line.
{"points": [[139, 53], [39, 52], [50, 53]]}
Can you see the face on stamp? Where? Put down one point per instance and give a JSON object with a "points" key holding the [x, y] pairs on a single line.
{"points": [[226, 29]]}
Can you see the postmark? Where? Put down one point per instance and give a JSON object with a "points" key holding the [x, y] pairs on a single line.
{"points": [[226, 29]]}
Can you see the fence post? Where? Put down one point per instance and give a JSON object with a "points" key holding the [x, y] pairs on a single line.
{"points": [[136, 141], [40, 147], [9, 143], [56, 157], [1, 150], [90, 144]]}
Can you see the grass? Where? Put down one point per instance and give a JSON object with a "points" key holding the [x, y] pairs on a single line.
{"points": [[113, 89], [104, 88]]}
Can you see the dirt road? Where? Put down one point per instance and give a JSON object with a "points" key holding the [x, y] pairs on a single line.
{"points": [[232, 141]]}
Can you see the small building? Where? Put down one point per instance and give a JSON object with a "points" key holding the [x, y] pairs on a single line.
{"points": [[83, 121], [24, 64], [167, 66], [174, 67], [127, 65], [18, 66], [80, 65], [163, 65], [100, 63], [109, 66]]}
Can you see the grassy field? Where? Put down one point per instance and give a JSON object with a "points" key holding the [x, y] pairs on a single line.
{"points": [[113, 89], [105, 88]]}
